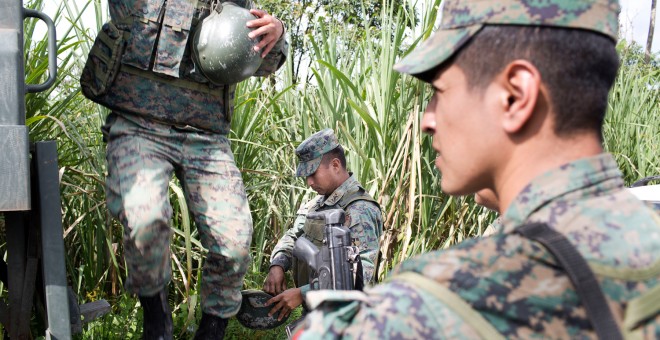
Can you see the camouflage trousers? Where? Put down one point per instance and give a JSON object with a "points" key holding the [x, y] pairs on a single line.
{"points": [[142, 156]]}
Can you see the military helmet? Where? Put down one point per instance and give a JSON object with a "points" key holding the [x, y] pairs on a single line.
{"points": [[221, 48], [254, 312]]}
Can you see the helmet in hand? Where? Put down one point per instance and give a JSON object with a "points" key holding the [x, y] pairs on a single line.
{"points": [[221, 48], [254, 312]]}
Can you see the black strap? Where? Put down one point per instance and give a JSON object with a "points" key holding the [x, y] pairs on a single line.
{"points": [[583, 279], [359, 275]]}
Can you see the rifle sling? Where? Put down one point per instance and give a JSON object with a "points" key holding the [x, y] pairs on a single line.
{"points": [[583, 279]]}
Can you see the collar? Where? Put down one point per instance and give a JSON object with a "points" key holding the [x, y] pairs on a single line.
{"points": [[581, 178], [336, 195]]}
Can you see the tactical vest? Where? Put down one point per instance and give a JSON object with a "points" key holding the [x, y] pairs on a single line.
{"points": [[313, 230], [140, 64]]}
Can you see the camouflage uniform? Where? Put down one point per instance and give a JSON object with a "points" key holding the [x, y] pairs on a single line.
{"points": [[363, 216], [167, 119], [494, 275], [505, 285]]}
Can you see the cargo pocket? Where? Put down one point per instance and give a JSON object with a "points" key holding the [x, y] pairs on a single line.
{"points": [[314, 230], [103, 61], [174, 37], [144, 33]]}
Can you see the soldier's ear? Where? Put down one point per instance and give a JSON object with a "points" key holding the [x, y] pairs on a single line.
{"points": [[520, 83], [336, 164]]}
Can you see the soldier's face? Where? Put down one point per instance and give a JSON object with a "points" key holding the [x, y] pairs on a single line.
{"points": [[323, 180], [460, 120]]}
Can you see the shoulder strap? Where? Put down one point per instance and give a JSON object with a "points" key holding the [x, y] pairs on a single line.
{"points": [[463, 309], [642, 308], [583, 279], [359, 195]]}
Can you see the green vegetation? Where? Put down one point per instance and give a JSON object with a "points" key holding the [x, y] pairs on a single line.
{"points": [[352, 89], [632, 126]]}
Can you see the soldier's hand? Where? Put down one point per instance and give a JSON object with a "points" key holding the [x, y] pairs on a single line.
{"points": [[285, 302], [268, 27], [275, 281]]}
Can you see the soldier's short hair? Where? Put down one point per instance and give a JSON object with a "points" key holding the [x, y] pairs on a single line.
{"points": [[338, 153], [578, 67], [570, 42]]}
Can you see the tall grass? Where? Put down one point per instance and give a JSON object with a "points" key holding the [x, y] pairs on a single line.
{"points": [[632, 127], [375, 112]]}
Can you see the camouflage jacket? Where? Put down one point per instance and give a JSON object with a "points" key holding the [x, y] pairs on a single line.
{"points": [[142, 66], [509, 284], [168, 55], [363, 218]]}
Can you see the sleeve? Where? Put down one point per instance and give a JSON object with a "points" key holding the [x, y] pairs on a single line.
{"points": [[283, 251], [394, 310], [366, 225], [276, 57]]}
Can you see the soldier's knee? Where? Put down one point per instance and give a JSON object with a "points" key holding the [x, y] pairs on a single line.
{"points": [[148, 232], [148, 220], [243, 256], [234, 258]]}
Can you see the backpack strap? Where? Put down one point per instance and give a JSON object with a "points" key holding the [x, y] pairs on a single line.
{"points": [[360, 195], [642, 308], [452, 300], [583, 279]]}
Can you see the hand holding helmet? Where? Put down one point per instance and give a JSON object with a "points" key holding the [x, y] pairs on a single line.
{"points": [[269, 28], [222, 47]]}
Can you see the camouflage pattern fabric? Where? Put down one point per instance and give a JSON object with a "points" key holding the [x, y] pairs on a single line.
{"points": [[311, 151], [462, 19], [137, 97], [142, 156], [172, 57], [254, 311], [510, 281], [363, 218], [168, 120], [173, 91]]}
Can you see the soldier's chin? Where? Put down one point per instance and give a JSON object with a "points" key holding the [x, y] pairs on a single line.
{"points": [[453, 189]]}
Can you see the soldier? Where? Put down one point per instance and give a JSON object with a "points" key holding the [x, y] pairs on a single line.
{"points": [[519, 96], [169, 118], [323, 164]]}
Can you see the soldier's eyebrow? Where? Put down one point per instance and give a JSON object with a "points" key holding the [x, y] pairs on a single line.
{"points": [[438, 88], [440, 85], [441, 82]]}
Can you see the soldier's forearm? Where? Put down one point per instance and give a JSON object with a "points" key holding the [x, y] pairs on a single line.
{"points": [[281, 260]]}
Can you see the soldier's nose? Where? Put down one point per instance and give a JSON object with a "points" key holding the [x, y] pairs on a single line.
{"points": [[428, 123], [310, 181], [428, 118]]}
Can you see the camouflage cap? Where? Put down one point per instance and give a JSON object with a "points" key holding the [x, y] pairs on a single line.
{"points": [[311, 150], [462, 19], [254, 312]]}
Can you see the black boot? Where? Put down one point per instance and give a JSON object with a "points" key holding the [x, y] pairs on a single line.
{"points": [[157, 317], [211, 327]]}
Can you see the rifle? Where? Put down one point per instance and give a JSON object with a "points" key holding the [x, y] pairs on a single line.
{"points": [[337, 264], [332, 265]]}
